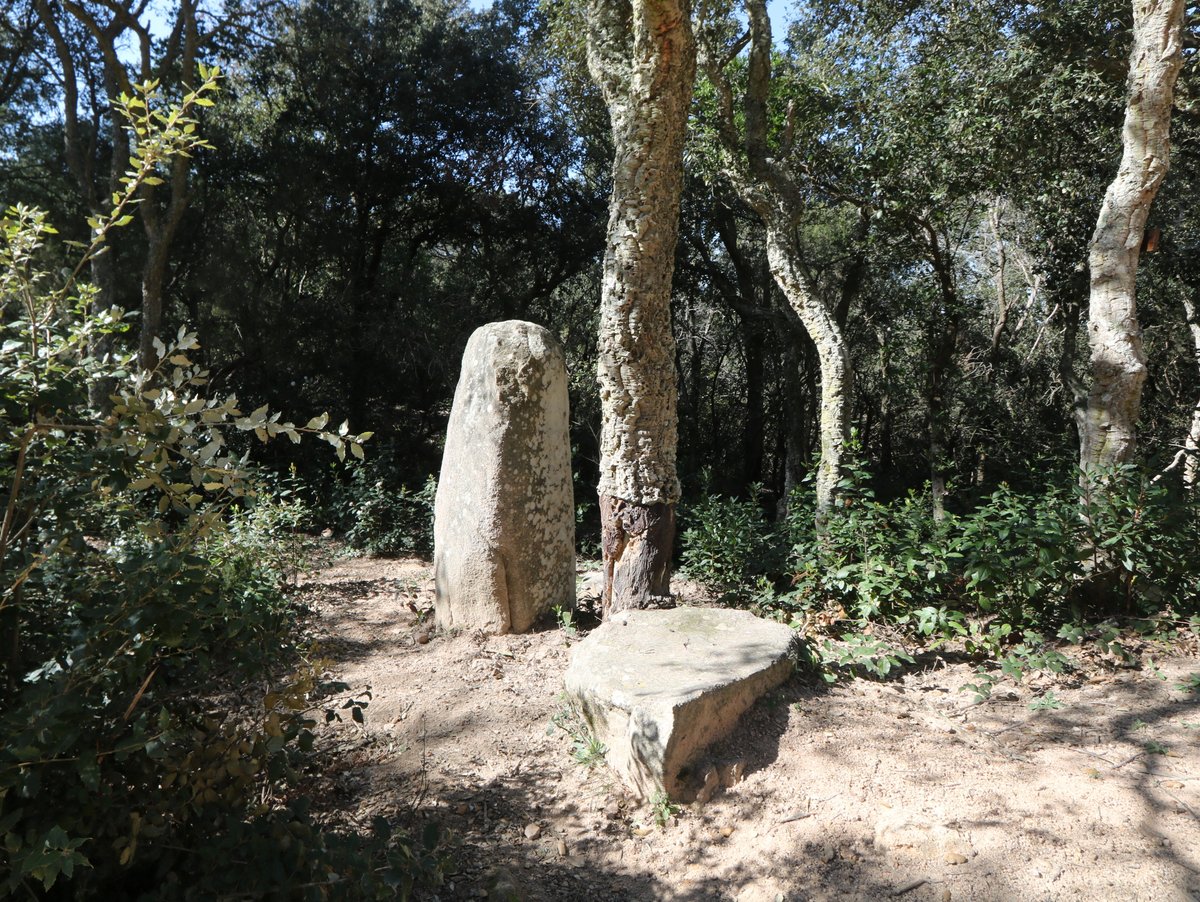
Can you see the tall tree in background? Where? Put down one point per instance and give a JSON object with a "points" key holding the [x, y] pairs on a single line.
{"points": [[760, 175], [115, 40], [642, 55], [388, 178], [1118, 362]]}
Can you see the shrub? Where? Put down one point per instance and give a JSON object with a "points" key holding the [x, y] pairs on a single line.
{"points": [[1020, 554], [877, 561], [132, 601], [1117, 543], [1139, 542], [380, 515], [727, 543]]}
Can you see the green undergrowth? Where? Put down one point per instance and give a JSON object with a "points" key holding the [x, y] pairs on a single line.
{"points": [[157, 703], [379, 514], [1106, 563]]}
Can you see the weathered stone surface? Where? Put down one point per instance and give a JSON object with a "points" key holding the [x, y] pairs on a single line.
{"points": [[504, 519], [657, 687]]}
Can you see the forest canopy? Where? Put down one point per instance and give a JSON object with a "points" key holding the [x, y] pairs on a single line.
{"points": [[386, 176]]}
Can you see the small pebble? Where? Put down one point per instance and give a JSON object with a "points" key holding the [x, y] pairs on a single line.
{"points": [[533, 831], [727, 831], [956, 858]]}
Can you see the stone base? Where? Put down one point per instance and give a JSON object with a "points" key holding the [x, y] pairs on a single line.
{"points": [[658, 687]]}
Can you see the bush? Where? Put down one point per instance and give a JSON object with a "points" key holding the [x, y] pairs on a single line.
{"points": [[728, 543], [876, 561], [1118, 543], [260, 538], [140, 592], [380, 515]]}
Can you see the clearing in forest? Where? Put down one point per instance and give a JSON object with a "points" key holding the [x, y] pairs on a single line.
{"points": [[862, 790]]}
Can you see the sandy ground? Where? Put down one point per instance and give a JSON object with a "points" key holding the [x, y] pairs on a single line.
{"points": [[865, 790]]}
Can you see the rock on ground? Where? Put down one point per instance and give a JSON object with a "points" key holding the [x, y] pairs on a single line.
{"points": [[504, 519], [658, 687]]}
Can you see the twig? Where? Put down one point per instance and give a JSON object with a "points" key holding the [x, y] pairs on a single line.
{"points": [[795, 816], [1011, 726], [1093, 755], [138, 697], [1189, 808], [910, 886], [1128, 760]]}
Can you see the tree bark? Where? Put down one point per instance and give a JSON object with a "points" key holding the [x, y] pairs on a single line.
{"points": [[1191, 445], [769, 189], [833, 357], [754, 313], [1118, 362], [753, 432], [995, 219], [642, 55], [161, 217], [1073, 388], [795, 420], [942, 329]]}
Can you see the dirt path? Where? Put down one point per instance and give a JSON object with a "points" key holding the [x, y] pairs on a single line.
{"points": [[863, 791]]}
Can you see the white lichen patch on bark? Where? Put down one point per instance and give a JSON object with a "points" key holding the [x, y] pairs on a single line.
{"points": [[1118, 361], [833, 354], [642, 56]]}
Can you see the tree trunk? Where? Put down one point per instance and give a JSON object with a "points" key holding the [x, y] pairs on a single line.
{"points": [[753, 427], [642, 55], [1191, 445], [154, 277], [750, 298], [935, 399], [770, 190], [80, 152], [832, 355], [1118, 363], [886, 416], [794, 406], [1073, 388], [995, 219], [943, 328]]}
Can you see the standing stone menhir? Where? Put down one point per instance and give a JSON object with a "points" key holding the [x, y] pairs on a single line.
{"points": [[504, 520]]}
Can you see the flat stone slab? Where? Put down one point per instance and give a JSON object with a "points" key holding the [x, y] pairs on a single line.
{"points": [[658, 687]]}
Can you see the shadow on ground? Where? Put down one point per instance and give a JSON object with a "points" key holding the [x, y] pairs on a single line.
{"points": [[1091, 801]]}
